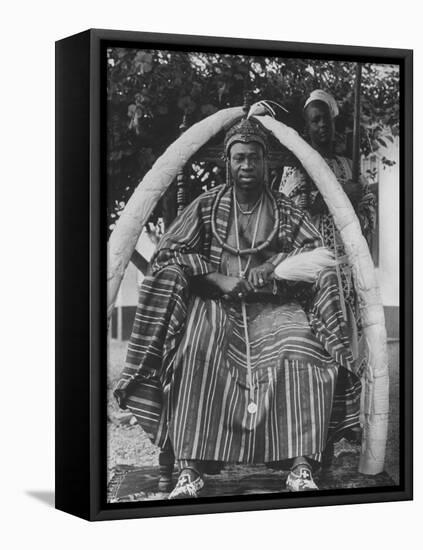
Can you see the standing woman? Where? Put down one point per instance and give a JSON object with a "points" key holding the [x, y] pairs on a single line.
{"points": [[320, 111]]}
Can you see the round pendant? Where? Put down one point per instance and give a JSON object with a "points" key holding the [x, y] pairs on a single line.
{"points": [[252, 408]]}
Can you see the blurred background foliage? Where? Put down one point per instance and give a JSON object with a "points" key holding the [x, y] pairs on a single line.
{"points": [[150, 91]]}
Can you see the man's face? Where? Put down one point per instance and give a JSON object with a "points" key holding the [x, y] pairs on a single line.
{"points": [[247, 165], [319, 123]]}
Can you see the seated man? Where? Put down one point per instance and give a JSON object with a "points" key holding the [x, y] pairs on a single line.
{"points": [[224, 363]]}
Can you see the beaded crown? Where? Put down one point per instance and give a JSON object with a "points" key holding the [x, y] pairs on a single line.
{"points": [[245, 131]]}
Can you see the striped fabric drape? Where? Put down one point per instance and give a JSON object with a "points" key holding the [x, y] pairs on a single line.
{"points": [[185, 372]]}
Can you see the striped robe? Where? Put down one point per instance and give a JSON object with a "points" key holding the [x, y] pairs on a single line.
{"points": [[185, 377]]}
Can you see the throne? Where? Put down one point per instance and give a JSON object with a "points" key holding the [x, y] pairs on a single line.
{"points": [[178, 195]]}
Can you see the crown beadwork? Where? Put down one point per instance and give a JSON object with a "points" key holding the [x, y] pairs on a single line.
{"points": [[245, 131]]}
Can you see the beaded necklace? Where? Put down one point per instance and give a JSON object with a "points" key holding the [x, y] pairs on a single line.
{"points": [[243, 272], [237, 251], [247, 212], [252, 406]]}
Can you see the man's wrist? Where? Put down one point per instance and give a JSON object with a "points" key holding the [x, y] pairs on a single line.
{"points": [[213, 277], [270, 266]]}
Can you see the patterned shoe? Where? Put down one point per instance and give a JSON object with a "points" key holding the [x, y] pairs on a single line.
{"points": [[301, 481], [187, 487]]}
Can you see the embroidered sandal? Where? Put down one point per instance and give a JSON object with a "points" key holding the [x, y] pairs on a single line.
{"points": [[188, 486], [301, 479]]}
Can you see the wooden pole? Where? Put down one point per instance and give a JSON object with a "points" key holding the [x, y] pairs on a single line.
{"points": [[356, 131]]}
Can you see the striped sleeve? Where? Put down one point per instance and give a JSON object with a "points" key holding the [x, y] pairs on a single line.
{"points": [[182, 244], [303, 236]]}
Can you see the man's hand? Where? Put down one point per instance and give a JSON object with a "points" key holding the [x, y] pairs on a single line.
{"points": [[234, 287], [261, 275], [230, 287]]}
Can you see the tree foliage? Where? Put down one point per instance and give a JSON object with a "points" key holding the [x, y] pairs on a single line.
{"points": [[150, 91]]}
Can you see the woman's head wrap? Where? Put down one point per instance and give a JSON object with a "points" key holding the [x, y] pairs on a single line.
{"points": [[245, 131], [325, 97]]}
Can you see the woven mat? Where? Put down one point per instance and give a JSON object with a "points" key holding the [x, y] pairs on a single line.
{"points": [[129, 484]]}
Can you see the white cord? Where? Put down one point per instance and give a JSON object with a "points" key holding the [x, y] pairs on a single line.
{"points": [[242, 273]]}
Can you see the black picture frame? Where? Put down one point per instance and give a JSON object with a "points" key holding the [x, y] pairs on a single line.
{"points": [[81, 324]]}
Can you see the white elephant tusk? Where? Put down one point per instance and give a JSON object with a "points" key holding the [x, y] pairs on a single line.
{"points": [[376, 383], [139, 207]]}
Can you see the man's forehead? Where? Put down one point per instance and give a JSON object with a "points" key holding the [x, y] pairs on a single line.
{"points": [[249, 147]]}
